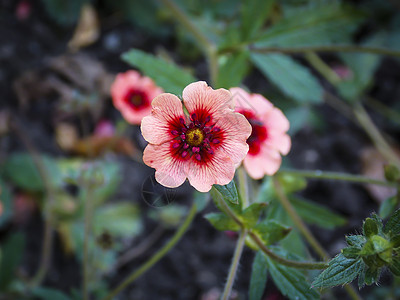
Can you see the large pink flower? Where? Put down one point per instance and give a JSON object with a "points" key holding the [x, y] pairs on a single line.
{"points": [[268, 139], [204, 146], [132, 95]]}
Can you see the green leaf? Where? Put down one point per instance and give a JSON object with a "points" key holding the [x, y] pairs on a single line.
{"points": [[254, 14], [395, 241], [166, 74], [314, 213], [393, 224], [119, 219], [356, 240], [363, 67], [49, 294], [292, 78], [222, 222], [252, 213], [341, 270], [351, 252], [64, 12], [232, 70], [11, 256], [323, 25], [291, 282], [22, 171], [395, 266], [388, 206], [258, 279], [271, 232], [370, 227], [227, 193], [7, 203]]}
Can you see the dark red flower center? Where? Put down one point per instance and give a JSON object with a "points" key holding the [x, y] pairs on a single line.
{"points": [[197, 138], [136, 99], [259, 132]]}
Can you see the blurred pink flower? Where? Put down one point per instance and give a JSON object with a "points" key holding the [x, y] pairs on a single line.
{"points": [[268, 139], [132, 95], [104, 128], [205, 146]]}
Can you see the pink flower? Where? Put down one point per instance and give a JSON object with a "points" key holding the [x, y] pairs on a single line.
{"points": [[268, 139], [132, 95], [206, 146]]}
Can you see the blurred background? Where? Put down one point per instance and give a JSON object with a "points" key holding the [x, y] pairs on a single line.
{"points": [[62, 140]]}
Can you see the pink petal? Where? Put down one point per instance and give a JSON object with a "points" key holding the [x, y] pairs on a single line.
{"points": [[267, 162], [170, 172], [276, 120], [236, 130], [219, 170], [254, 102], [156, 128], [279, 141], [199, 96]]}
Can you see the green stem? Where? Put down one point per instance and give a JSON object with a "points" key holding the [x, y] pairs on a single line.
{"points": [[322, 68], [286, 262], [306, 232], [384, 110], [234, 265], [298, 221], [48, 214], [375, 135], [243, 186], [295, 264], [87, 229], [157, 256], [208, 47], [318, 174], [327, 49]]}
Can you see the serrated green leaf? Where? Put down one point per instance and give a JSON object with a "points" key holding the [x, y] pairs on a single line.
{"points": [[119, 219], [395, 241], [292, 78], [388, 207], [351, 252], [167, 75], [361, 276], [64, 12], [372, 275], [49, 294], [254, 14], [370, 227], [356, 240], [21, 170], [314, 213], [252, 213], [393, 224], [291, 282], [341, 270], [222, 222], [323, 25], [227, 193], [271, 231], [11, 256], [232, 70], [259, 275], [394, 267]]}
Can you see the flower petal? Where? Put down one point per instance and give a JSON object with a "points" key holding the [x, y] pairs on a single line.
{"points": [[199, 96], [276, 120], [170, 172], [278, 141], [236, 129], [267, 162], [219, 170], [253, 102], [167, 109]]}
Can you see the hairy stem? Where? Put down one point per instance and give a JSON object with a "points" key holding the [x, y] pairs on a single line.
{"points": [[157, 256], [234, 265], [373, 132], [50, 192], [318, 174], [87, 230], [243, 186]]}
